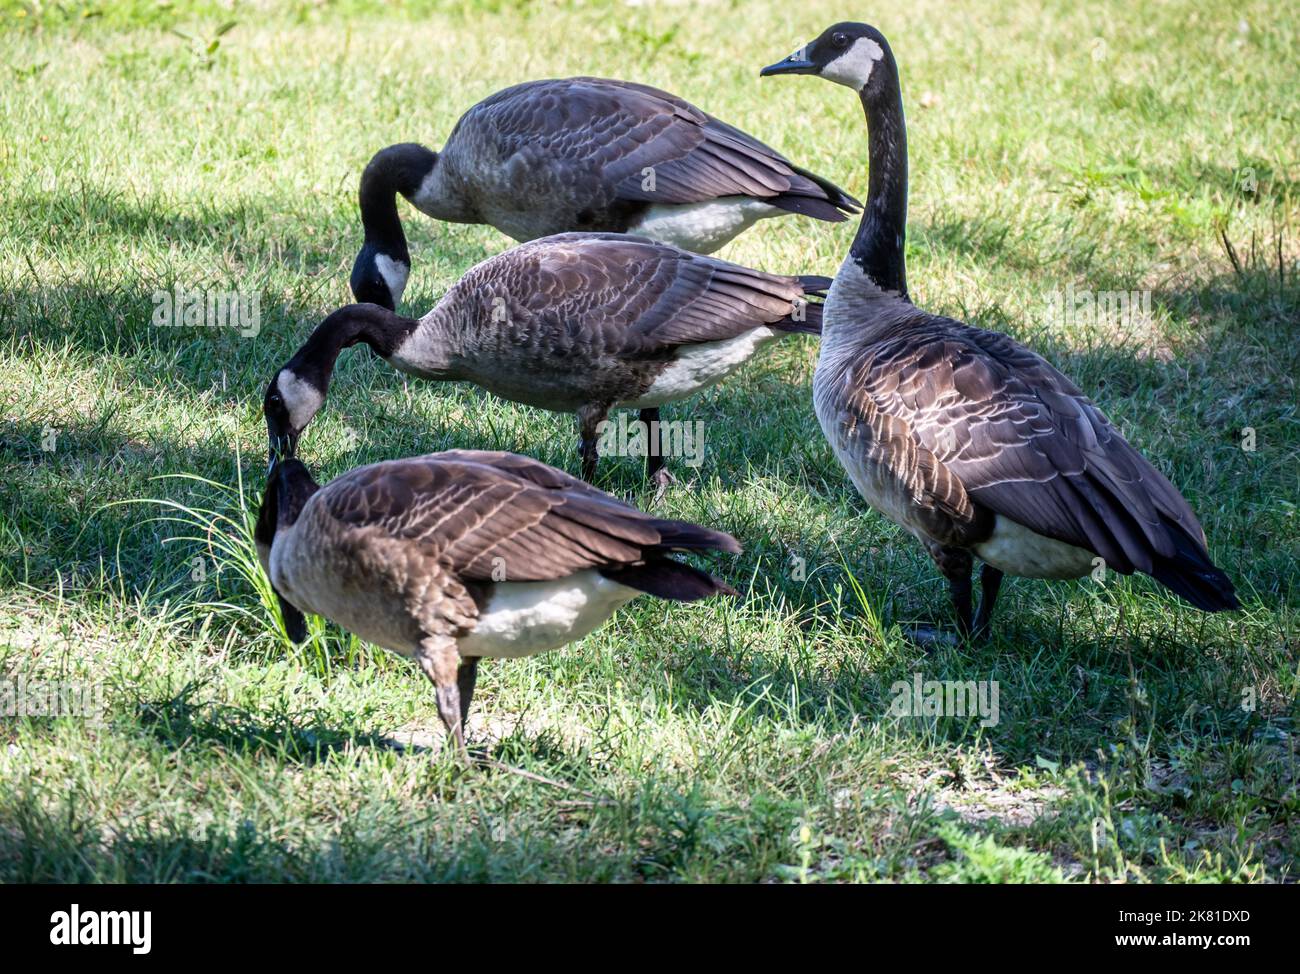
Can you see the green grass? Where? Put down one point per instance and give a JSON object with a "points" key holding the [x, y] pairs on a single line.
{"points": [[740, 740]]}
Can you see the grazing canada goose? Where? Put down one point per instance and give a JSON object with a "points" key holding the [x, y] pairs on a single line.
{"points": [[967, 439], [577, 322], [455, 556], [582, 154]]}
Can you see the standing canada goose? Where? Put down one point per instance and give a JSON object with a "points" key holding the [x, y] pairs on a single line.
{"points": [[967, 439], [582, 154], [455, 556], [577, 322]]}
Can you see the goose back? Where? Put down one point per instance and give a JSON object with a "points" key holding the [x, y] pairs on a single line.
{"points": [[580, 318], [557, 155]]}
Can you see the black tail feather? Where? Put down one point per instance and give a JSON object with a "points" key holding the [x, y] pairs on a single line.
{"points": [[809, 321], [685, 536], [834, 207], [1190, 573], [668, 579], [1208, 591], [815, 284], [811, 206]]}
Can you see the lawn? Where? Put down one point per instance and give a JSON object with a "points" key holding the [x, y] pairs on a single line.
{"points": [[1054, 146]]}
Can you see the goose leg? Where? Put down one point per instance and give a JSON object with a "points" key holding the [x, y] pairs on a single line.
{"points": [[449, 709], [654, 444], [589, 417], [439, 661], [990, 583], [656, 471], [960, 591], [956, 565], [466, 678]]}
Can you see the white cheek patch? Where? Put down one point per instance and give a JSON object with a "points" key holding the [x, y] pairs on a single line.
{"points": [[853, 67], [394, 273], [301, 399]]}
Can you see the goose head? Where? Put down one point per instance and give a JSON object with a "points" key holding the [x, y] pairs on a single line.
{"points": [[297, 392], [378, 277], [293, 398], [382, 267], [288, 487], [847, 53], [858, 57]]}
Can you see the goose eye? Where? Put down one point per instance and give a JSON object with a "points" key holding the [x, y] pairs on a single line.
{"points": [[839, 38]]}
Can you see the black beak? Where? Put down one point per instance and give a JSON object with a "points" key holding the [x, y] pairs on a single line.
{"points": [[280, 446], [796, 63]]}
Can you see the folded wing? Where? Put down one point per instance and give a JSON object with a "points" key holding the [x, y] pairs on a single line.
{"points": [[1024, 442]]}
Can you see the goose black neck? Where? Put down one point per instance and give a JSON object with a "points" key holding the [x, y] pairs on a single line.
{"points": [[396, 169], [878, 246], [369, 324], [288, 489], [295, 486]]}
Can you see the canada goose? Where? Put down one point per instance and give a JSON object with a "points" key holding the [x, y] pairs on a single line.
{"points": [[589, 154], [579, 322], [967, 439], [455, 556]]}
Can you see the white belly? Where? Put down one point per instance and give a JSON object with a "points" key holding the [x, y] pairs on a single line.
{"points": [[1017, 550], [523, 618], [697, 367], [702, 227]]}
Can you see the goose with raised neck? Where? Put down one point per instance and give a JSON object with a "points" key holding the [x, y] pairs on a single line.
{"points": [[970, 441]]}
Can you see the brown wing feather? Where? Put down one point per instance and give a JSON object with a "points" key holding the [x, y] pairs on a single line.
{"points": [[479, 514], [903, 473], [587, 318], [602, 135], [1024, 441], [624, 295]]}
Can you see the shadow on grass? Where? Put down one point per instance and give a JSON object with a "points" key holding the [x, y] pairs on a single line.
{"points": [[40, 846], [179, 722], [247, 232], [65, 518], [1185, 410]]}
